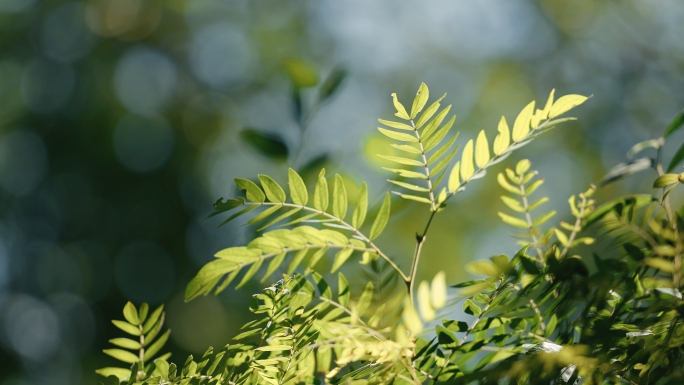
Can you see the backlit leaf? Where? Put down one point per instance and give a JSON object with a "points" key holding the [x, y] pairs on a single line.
{"points": [[438, 290], [566, 103], [467, 166], [298, 191], [254, 193], [382, 218], [401, 111], [321, 192], [503, 139], [131, 313], [274, 192], [420, 100], [424, 301], [397, 125], [359, 215], [122, 355], [454, 178], [481, 150], [339, 203], [522, 123], [340, 258], [400, 136]]}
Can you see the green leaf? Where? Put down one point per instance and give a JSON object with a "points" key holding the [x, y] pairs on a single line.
{"points": [[274, 265], [131, 313], [340, 258], [503, 139], [443, 149], [382, 218], [623, 170], [469, 307], [321, 192], [522, 123], [254, 193], [400, 126], [339, 204], [428, 114], [424, 301], [274, 192], [401, 111], [660, 264], [400, 160], [316, 257], [120, 373], [414, 198], [238, 214], [529, 265], [484, 268], [125, 343], [676, 159], [409, 186], [565, 104], [454, 179], [153, 318], [143, 311], [250, 273], [122, 355], [332, 83], [513, 204], [481, 150], [359, 215], [267, 144], [420, 100], [126, 327], [637, 148], [507, 186], [666, 180], [467, 167], [301, 73], [156, 346], [432, 141], [264, 214], [298, 191], [438, 290], [406, 173], [513, 221], [280, 217], [406, 148], [343, 293], [398, 135], [297, 259], [543, 218]]}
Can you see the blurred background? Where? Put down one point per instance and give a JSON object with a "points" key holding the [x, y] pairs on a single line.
{"points": [[122, 121]]}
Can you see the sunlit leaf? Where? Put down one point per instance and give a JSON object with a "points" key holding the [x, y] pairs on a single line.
{"points": [[420, 100], [522, 123], [382, 218], [298, 191], [503, 139], [359, 215], [481, 150], [401, 111], [339, 203], [566, 103], [467, 166]]}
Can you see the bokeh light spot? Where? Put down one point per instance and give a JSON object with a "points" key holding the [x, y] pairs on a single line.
{"points": [[47, 86], [221, 55], [145, 80], [23, 162], [143, 144], [31, 328], [65, 35]]}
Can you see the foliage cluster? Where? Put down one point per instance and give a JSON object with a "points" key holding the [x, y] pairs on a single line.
{"points": [[593, 300]]}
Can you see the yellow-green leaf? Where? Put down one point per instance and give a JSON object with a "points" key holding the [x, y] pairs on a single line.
{"points": [[513, 221], [424, 301], [128, 328], [562, 238], [467, 167], [503, 139], [361, 208], [125, 343], [120, 373], [401, 111], [131, 313], [484, 268], [469, 307], [382, 218], [431, 111], [397, 125], [666, 180], [481, 150], [409, 186], [274, 192], [549, 105], [438, 290], [122, 355], [253, 191], [406, 148], [543, 218], [339, 205], [397, 135], [565, 104], [420, 100], [321, 192], [454, 179], [411, 318], [250, 273], [660, 264], [298, 191], [400, 160], [522, 123], [340, 258]]}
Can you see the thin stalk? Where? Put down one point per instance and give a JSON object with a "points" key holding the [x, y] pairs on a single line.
{"points": [[425, 166], [528, 217], [577, 227]]}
